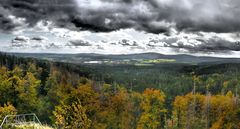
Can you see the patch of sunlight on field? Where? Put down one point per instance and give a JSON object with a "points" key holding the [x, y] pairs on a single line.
{"points": [[159, 60]]}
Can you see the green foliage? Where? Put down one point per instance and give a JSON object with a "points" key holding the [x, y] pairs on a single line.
{"points": [[121, 97]]}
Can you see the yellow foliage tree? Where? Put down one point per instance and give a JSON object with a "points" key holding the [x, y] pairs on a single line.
{"points": [[71, 116], [153, 113], [211, 111], [7, 109]]}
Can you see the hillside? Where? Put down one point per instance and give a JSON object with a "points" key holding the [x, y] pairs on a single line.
{"points": [[83, 58], [66, 95]]}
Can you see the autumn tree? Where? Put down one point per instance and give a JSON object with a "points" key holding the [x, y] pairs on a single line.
{"points": [[153, 110], [7, 109], [27, 92], [89, 99], [71, 116], [115, 110], [185, 115], [5, 86]]}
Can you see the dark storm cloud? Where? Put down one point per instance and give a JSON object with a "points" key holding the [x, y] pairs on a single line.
{"points": [[35, 10], [8, 22], [218, 45], [154, 16], [213, 44]]}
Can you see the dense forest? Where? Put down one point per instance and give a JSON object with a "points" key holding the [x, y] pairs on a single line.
{"points": [[68, 96]]}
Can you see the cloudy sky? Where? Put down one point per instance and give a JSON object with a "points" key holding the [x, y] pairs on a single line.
{"points": [[197, 27]]}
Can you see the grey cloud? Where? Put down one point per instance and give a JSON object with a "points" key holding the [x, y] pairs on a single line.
{"points": [[126, 42], [7, 22], [78, 43], [169, 40], [150, 16], [17, 45], [35, 10], [20, 39], [39, 38], [52, 46], [214, 44], [99, 47], [24, 42], [37, 46], [218, 44], [154, 16]]}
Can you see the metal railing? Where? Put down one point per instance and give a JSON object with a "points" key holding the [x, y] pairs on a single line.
{"points": [[31, 120]]}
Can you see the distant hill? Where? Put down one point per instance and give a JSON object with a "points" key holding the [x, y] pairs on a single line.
{"points": [[83, 57]]}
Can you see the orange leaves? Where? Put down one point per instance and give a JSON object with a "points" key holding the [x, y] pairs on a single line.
{"points": [[210, 109]]}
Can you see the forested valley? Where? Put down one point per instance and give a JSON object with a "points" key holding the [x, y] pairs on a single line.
{"points": [[69, 96]]}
